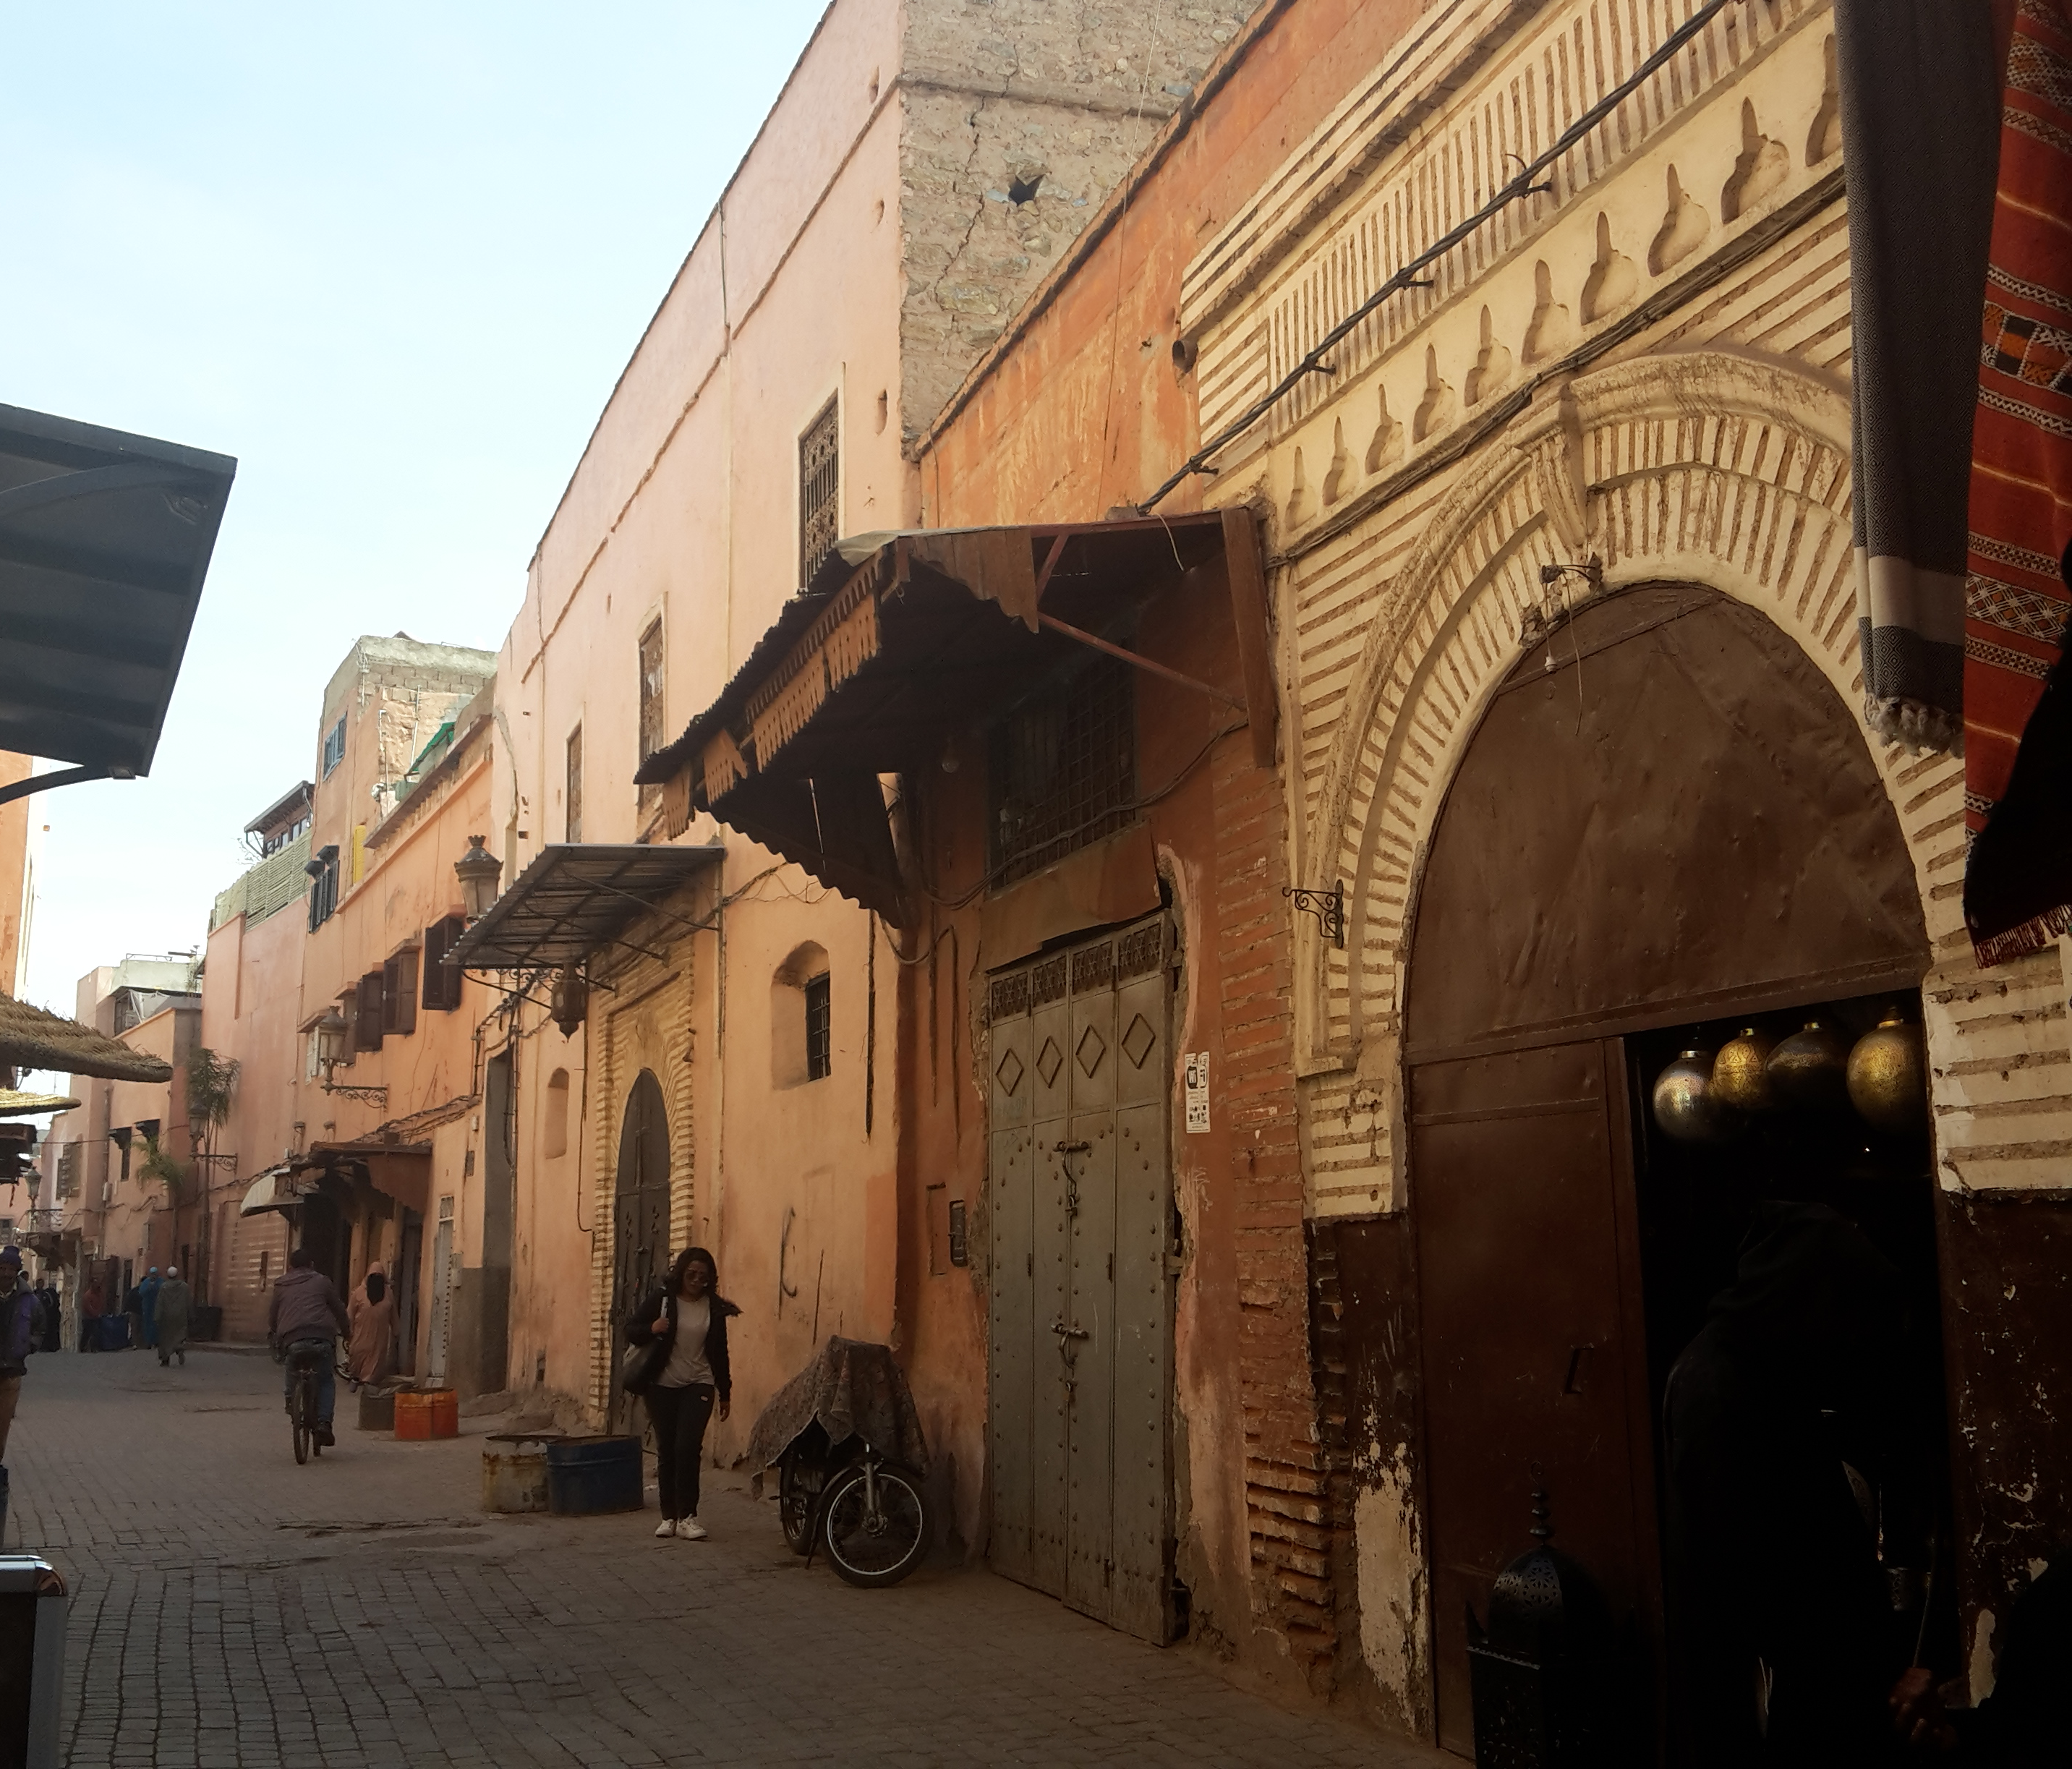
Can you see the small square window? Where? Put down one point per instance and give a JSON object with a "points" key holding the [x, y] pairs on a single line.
{"points": [[820, 1042]]}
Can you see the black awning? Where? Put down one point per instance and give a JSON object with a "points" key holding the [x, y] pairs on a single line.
{"points": [[575, 898], [920, 635], [104, 540]]}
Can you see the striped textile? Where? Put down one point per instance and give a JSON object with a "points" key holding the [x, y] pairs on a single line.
{"points": [[1920, 98], [2018, 729]]}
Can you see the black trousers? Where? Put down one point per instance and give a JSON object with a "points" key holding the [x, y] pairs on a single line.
{"points": [[679, 1417]]}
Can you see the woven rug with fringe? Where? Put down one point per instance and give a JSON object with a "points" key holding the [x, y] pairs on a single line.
{"points": [[2017, 720]]}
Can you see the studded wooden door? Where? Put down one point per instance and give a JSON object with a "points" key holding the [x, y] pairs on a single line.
{"points": [[640, 1222], [1081, 1292]]}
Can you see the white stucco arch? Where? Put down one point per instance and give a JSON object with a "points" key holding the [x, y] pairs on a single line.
{"points": [[1718, 467]]}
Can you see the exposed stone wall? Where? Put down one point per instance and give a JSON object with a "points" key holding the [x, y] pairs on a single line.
{"points": [[1018, 116]]}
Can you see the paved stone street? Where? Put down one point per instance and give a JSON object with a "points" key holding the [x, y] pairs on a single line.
{"points": [[230, 1609]]}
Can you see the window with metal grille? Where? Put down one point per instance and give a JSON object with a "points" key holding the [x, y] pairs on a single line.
{"points": [[820, 489], [334, 746], [820, 1025], [1064, 769], [651, 737], [574, 802]]}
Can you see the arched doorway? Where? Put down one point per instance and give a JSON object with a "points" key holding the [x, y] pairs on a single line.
{"points": [[640, 1213], [1666, 818]]}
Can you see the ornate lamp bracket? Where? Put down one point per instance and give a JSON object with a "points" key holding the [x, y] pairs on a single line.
{"points": [[1328, 907], [367, 1095]]}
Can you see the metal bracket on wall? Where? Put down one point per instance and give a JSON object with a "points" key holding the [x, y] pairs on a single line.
{"points": [[367, 1095], [1328, 907]]}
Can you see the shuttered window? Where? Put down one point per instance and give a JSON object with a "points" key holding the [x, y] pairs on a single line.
{"points": [[441, 980], [367, 1021], [399, 994]]}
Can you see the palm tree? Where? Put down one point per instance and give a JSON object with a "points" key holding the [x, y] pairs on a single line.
{"points": [[211, 1080]]}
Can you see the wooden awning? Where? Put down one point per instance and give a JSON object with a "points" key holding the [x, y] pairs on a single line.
{"points": [[904, 640]]}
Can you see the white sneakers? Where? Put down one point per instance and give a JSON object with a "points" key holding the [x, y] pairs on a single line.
{"points": [[689, 1528], [667, 1527]]}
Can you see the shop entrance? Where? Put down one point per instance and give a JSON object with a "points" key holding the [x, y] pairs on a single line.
{"points": [[1666, 816], [640, 1221], [1081, 1208]]}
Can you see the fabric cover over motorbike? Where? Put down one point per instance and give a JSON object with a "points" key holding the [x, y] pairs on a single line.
{"points": [[854, 1388]]}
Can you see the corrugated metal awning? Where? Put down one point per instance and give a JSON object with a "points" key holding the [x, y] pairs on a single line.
{"points": [[104, 540], [574, 898]]}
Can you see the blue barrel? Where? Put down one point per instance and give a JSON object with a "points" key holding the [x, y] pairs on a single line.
{"points": [[586, 1475]]}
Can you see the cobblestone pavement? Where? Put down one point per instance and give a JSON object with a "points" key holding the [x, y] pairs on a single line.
{"points": [[230, 1608]]}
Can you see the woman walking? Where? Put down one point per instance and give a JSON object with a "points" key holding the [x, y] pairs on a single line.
{"points": [[685, 1325], [176, 1301], [372, 1314]]}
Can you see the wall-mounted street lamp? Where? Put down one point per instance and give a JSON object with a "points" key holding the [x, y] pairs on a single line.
{"points": [[478, 870], [332, 1033]]}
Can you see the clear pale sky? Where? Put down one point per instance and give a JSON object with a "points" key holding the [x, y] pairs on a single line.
{"points": [[392, 258]]}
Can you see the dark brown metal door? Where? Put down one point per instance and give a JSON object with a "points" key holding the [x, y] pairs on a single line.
{"points": [[640, 1220], [1522, 1228]]}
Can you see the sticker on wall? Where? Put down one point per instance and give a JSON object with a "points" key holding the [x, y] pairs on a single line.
{"points": [[1197, 1076]]}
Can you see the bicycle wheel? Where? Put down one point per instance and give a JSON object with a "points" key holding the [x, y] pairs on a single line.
{"points": [[880, 1546], [305, 1405]]}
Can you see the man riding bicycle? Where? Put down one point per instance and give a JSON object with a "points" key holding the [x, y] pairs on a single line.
{"points": [[305, 1311]]}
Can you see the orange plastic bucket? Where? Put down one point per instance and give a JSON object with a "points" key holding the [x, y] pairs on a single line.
{"points": [[422, 1416]]}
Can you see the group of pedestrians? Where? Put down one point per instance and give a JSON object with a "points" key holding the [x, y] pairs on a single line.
{"points": [[160, 1310]]}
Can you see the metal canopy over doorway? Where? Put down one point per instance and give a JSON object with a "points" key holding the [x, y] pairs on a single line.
{"points": [[1082, 1329], [1665, 815]]}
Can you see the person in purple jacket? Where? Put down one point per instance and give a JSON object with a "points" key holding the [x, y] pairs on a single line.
{"points": [[20, 1317]]}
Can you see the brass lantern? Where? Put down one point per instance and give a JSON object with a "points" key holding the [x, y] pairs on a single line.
{"points": [[1685, 1105], [478, 870], [1889, 1076], [1739, 1078], [1811, 1068]]}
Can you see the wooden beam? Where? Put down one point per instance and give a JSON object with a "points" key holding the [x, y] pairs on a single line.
{"points": [[1255, 644]]}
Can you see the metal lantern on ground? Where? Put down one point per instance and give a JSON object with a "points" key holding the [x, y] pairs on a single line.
{"points": [[1543, 1676], [1685, 1104], [1889, 1076], [331, 1034], [478, 870]]}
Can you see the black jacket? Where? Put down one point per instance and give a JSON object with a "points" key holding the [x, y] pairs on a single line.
{"points": [[640, 1330]]}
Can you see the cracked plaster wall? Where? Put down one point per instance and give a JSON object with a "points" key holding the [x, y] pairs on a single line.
{"points": [[1043, 101]]}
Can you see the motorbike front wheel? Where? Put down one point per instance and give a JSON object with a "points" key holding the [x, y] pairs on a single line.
{"points": [[875, 1523], [794, 1507]]}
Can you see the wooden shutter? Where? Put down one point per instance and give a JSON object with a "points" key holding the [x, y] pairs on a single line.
{"points": [[366, 1027], [399, 994], [441, 980]]}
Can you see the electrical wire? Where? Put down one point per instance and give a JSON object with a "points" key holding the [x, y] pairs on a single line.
{"points": [[1516, 190]]}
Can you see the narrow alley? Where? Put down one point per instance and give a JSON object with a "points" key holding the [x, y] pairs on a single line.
{"points": [[230, 1608]]}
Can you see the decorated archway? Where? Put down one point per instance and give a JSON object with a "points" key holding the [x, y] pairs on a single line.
{"points": [[1705, 468]]}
